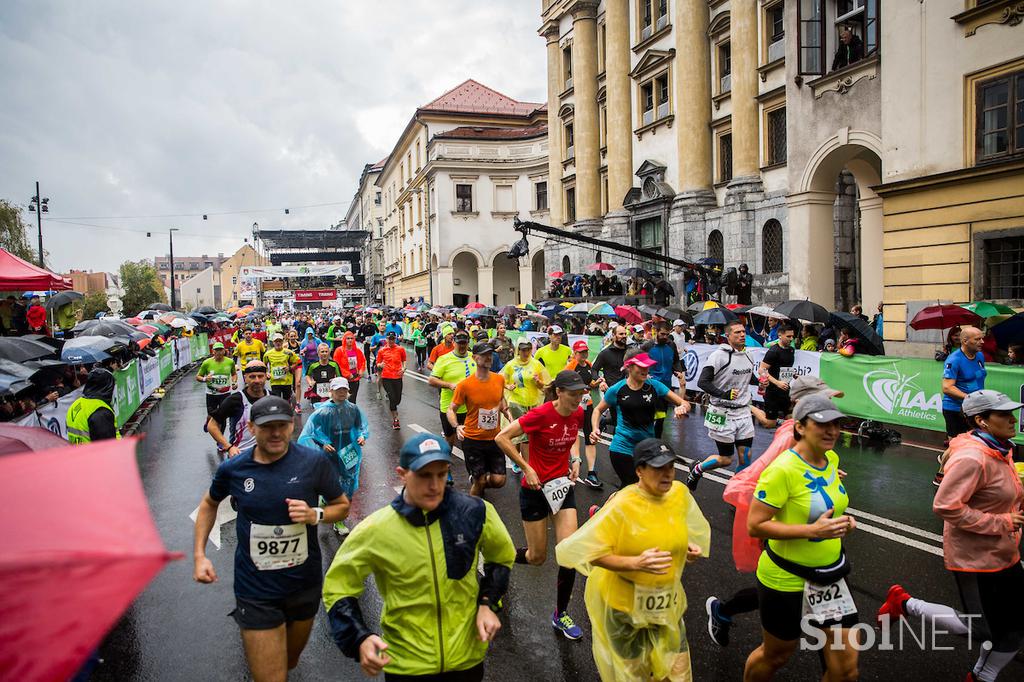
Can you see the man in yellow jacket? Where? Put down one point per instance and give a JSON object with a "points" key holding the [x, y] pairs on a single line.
{"points": [[422, 549], [91, 417]]}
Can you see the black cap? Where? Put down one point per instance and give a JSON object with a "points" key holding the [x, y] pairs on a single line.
{"points": [[523, 342], [461, 335], [482, 348], [391, 335], [653, 452], [569, 380], [270, 409]]}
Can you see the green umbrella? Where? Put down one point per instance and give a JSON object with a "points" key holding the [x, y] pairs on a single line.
{"points": [[987, 309], [527, 306]]}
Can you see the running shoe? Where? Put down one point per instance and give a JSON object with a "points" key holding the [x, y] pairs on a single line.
{"points": [[694, 478], [895, 601], [593, 481], [718, 625], [593, 509], [937, 481], [341, 529], [395, 425], [564, 624]]}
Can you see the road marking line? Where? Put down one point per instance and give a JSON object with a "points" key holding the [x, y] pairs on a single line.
{"points": [[895, 524]]}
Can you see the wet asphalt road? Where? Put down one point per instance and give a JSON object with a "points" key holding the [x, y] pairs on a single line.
{"points": [[180, 630]]}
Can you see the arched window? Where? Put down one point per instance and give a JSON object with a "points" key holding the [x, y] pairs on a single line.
{"points": [[565, 264], [716, 246], [771, 247]]}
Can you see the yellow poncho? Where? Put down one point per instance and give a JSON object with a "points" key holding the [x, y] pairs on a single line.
{"points": [[637, 617]]}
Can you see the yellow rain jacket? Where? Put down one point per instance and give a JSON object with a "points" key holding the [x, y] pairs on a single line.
{"points": [[637, 617]]}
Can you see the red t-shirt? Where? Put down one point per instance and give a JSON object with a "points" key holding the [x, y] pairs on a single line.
{"points": [[550, 436], [391, 360]]}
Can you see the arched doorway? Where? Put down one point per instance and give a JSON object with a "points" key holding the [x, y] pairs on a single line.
{"points": [[835, 191], [566, 267], [465, 285], [505, 273], [538, 278]]}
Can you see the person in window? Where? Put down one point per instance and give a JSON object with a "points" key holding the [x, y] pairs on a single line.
{"points": [[851, 49]]}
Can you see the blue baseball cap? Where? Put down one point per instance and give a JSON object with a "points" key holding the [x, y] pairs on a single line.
{"points": [[422, 449]]}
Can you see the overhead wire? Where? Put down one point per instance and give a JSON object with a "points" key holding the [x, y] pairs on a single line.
{"points": [[201, 215]]}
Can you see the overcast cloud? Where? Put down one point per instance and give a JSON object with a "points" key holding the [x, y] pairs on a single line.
{"points": [[155, 108]]}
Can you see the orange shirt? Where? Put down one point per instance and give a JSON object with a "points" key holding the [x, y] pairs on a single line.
{"points": [[482, 400], [391, 361], [439, 350]]}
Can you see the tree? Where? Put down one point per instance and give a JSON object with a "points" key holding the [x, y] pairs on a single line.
{"points": [[142, 286], [93, 304], [14, 233]]}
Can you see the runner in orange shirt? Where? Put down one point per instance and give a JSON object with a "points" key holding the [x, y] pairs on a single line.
{"points": [[391, 361], [483, 395], [447, 345]]}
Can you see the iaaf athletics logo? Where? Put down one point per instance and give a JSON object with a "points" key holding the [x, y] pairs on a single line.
{"points": [[900, 395]]}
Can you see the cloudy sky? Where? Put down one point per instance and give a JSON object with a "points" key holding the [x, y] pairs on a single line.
{"points": [[129, 111]]}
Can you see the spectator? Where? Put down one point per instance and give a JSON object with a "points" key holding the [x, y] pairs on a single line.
{"points": [[744, 284], [876, 321], [615, 286], [858, 311], [1015, 354], [36, 317], [810, 341], [851, 48]]}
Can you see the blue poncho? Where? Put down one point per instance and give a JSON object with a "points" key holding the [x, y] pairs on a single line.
{"points": [[339, 425]]}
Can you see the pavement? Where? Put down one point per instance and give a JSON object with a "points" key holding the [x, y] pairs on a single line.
{"points": [[180, 630]]}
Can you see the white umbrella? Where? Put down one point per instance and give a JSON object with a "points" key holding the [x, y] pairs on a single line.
{"points": [[765, 311]]}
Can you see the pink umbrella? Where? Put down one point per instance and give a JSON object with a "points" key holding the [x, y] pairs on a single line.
{"points": [[14, 439], [475, 305], [629, 314], [555, 274], [600, 266], [68, 577]]}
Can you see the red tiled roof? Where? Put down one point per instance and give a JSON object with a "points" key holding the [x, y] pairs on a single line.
{"points": [[379, 165], [479, 133], [474, 98]]}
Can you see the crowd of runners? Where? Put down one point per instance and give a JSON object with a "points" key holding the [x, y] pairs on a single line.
{"points": [[442, 558]]}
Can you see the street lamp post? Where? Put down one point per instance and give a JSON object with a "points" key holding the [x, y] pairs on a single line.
{"points": [[39, 205], [170, 235]]}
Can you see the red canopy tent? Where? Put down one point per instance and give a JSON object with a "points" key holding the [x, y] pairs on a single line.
{"points": [[18, 275]]}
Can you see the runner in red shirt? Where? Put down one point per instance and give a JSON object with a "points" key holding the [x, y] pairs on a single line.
{"points": [[548, 479], [447, 345], [391, 362]]}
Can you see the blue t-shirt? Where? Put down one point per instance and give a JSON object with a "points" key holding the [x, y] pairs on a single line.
{"points": [[394, 327], [663, 354], [259, 491], [635, 413], [377, 340], [969, 376]]}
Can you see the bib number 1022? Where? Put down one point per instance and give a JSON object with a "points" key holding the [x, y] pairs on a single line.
{"points": [[660, 602], [276, 547]]}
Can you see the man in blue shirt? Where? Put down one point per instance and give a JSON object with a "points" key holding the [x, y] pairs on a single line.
{"points": [[395, 327], [963, 373], [663, 351], [278, 568]]}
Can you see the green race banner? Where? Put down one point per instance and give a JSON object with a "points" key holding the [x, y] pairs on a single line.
{"points": [[166, 357], [905, 391], [127, 397]]}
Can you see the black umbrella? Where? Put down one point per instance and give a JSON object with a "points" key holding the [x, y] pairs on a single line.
{"points": [[159, 306], [870, 342], [622, 300], [109, 328], [634, 272], [62, 298], [56, 344], [21, 349], [199, 317], [673, 312], [802, 309], [87, 349], [207, 310], [649, 310], [715, 316]]}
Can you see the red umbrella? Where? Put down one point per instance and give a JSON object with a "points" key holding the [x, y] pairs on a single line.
{"points": [[14, 439], [629, 314], [475, 305], [733, 306], [134, 321], [943, 317], [555, 274], [601, 266], [68, 577], [147, 328]]}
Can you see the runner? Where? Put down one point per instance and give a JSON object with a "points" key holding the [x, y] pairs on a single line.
{"points": [[308, 349], [635, 400], [318, 378], [364, 333], [277, 575], [449, 370], [609, 366], [591, 397], [438, 615], [234, 411], [391, 360], [249, 348], [803, 525], [663, 351], [554, 356], [981, 503], [447, 345], [283, 366], [220, 376], [634, 551], [483, 395], [964, 373], [726, 378], [549, 474], [525, 379], [352, 363], [334, 333], [377, 341], [339, 429], [419, 342], [776, 370]]}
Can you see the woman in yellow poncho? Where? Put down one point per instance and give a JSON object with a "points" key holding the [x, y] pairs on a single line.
{"points": [[634, 550]]}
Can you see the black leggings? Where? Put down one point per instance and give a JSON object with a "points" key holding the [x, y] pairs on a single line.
{"points": [[421, 355], [999, 597], [624, 468], [353, 391], [393, 389]]}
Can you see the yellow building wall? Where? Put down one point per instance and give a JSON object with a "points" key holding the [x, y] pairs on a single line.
{"points": [[415, 286], [928, 235]]}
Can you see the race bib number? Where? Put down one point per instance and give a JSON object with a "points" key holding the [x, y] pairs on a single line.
{"points": [[714, 419], [352, 363], [278, 372], [555, 492], [323, 390], [654, 605], [275, 547], [487, 420], [787, 374], [349, 457], [219, 381], [828, 602]]}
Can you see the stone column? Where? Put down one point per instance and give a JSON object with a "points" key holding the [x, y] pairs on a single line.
{"points": [[693, 101], [485, 285], [550, 33], [871, 286], [585, 119], [445, 286], [526, 292], [811, 247], [620, 123], [745, 137]]}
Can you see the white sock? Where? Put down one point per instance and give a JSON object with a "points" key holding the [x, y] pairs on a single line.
{"points": [[944, 615], [991, 663]]}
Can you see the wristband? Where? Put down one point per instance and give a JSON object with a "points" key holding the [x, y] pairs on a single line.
{"points": [[575, 460], [486, 601]]}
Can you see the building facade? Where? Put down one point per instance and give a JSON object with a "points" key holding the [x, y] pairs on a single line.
{"points": [[366, 212], [185, 267], [201, 289], [466, 164], [230, 281], [89, 282]]}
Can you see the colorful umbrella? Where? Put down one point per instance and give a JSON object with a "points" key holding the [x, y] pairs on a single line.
{"points": [[527, 306], [15, 439], [566, 304], [698, 306], [474, 305], [943, 317], [603, 309], [87, 566], [987, 309], [555, 274], [600, 266], [1009, 331], [802, 309], [630, 314], [508, 310]]}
